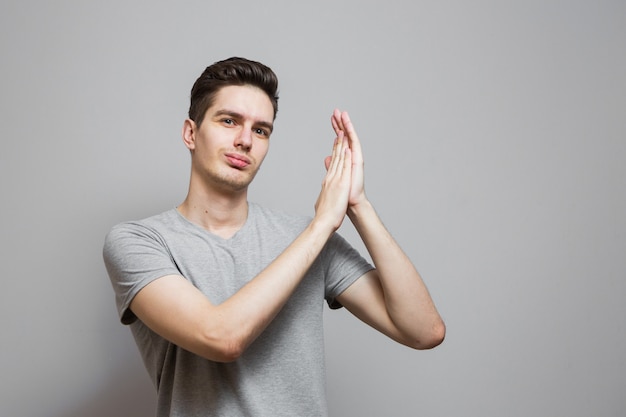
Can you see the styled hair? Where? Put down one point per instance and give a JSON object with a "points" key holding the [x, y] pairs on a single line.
{"points": [[231, 71]]}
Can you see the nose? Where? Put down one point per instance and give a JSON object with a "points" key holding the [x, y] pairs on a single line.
{"points": [[244, 139]]}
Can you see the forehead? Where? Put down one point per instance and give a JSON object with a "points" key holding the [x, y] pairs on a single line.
{"points": [[247, 100]]}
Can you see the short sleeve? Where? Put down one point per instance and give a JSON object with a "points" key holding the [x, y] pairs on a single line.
{"points": [[343, 266], [134, 256]]}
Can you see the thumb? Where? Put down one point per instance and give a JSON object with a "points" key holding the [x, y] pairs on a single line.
{"points": [[327, 162]]}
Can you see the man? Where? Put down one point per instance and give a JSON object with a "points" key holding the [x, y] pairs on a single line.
{"points": [[224, 297]]}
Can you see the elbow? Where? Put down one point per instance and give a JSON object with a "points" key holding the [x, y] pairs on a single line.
{"points": [[230, 351], [223, 348], [437, 335], [432, 338]]}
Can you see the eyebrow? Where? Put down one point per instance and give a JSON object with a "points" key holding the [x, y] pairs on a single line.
{"points": [[236, 115]]}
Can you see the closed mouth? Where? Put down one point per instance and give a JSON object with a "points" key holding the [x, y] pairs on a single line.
{"points": [[238, 160]]}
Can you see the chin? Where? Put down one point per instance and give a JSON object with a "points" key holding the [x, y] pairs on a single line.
{"points": [[236, 184]]}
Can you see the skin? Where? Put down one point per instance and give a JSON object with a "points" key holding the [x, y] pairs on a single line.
{"points": [[392, 298], [227, 150]]}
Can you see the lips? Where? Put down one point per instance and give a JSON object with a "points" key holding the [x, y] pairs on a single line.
{"points": [[237, 160]]}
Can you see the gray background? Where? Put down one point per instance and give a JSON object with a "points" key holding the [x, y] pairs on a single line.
{"points": [[495, 139]]}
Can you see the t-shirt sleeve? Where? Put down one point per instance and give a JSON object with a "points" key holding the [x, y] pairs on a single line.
{"points": [[134, 256], [343, 266]]}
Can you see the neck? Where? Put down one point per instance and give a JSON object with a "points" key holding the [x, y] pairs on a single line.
{"points": [[220, 213]]}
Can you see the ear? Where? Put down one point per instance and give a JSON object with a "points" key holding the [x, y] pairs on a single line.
{"points": [[189, 134]]}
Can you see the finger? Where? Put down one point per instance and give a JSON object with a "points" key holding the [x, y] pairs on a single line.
{"points": [[347, 161], [327, 162], [335, 120], [332, 160], [346, 123], [340, 118], [353, 138], [337, 151], [342, 148]]}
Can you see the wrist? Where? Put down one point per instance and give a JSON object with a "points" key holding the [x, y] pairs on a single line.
{"points": [[321, 228], [359, 209]]}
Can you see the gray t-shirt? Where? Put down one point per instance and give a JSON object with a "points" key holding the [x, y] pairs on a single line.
{"points": [[282, 371]]}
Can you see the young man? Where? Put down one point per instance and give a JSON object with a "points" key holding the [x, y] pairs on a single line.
{"points": [[224, 297]]}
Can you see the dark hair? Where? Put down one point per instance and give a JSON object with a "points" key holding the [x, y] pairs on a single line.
{"points": [[231, 71]]}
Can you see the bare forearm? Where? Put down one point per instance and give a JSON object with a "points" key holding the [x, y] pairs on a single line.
{"points": [[407, 300], [256, 304], [175, 309], [222, 332]]}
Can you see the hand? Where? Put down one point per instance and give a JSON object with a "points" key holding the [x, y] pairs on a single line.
{"points": [[343, 125], [332, 203]]}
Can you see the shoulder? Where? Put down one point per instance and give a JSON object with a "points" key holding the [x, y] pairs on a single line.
{"points": [[152, 228]]}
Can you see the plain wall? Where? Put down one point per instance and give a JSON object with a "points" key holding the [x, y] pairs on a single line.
{"points": [[494, 136]]}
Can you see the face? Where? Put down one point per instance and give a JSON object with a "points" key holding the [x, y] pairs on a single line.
{"points": [[229, 146]]}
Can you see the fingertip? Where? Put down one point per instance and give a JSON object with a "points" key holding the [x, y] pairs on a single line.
{"points": [[333, 122]]}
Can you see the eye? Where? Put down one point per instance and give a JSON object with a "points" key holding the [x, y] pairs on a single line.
{"points": [[228, 121], [261, 132]]}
